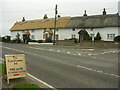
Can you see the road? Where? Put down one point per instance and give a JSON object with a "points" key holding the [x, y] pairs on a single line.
{"points": [[69, 67]]}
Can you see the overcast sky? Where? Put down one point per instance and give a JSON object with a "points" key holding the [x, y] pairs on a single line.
{"points": [[13, 10]]}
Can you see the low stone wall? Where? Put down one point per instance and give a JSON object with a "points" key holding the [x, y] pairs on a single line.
{"points": [[108, 44], [99, 44], [65, 42]]}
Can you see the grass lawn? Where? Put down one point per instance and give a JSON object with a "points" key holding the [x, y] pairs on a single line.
{"points": [[27, 86]]}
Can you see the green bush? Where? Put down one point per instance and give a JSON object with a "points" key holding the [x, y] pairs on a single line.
{"points": [[6, 39], [87, 37], [98, 37], [75, 39], [18, 38], [117, 39], [30, 40]]}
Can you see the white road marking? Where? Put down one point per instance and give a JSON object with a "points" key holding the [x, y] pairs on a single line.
{"points": [[113, 52], [79, 54], [91, 49], [98, 71], [50, 49], [37, 48], [41, 81], [89, 54], [68, 52]]}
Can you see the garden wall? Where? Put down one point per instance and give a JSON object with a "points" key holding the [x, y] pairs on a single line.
{"points": [[65, 42], [106, 44]]}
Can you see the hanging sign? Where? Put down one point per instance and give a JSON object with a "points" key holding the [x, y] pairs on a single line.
{"points": [[15, 66]]}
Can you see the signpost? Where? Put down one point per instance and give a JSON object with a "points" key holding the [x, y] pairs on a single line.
{"points": [[15, 66]]}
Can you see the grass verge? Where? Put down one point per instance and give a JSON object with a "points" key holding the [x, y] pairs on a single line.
{"points": [[1, 69], [21, 86], [27, 86]]}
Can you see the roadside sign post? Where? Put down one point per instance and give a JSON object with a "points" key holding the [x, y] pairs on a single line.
{"points": [[15, 66]]}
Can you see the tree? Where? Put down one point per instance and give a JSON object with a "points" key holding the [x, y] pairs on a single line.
{"points": [[98, 37]]}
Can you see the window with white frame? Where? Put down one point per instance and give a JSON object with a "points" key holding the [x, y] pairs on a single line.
{"points": [[32, 37], [73, 36], [110, 36]]}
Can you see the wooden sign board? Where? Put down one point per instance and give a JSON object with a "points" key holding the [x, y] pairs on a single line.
{"points": [[15, 66]]}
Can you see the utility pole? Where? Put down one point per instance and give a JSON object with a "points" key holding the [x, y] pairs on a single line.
{"points": [[55, 23]]}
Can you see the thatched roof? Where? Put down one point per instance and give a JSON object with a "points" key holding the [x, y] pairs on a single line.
{"points": [[96, 21], [39, 24]]}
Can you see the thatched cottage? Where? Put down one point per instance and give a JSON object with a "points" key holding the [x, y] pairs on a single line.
{"points": [[68, 27]]}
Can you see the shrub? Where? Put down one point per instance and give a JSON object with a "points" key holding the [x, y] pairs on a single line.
{"points": [[117, 39], [18, 38], [98, 37], [75, 39], [6, 39], [87, 37], [30, 40]]}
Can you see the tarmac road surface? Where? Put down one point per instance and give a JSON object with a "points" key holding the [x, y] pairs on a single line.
{"points": [[69, 67]]}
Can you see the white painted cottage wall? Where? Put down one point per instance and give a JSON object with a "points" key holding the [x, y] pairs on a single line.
{"points": [[67, 33], [38, 34], [104, 31]]}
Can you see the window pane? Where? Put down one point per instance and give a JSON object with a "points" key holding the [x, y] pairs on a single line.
{"points": [[110, 36], [32, 37], [73, 36]]}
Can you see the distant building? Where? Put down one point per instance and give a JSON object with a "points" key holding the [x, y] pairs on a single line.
{"points": [[68, 27]]}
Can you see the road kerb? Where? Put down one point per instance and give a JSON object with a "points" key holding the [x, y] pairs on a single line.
{"points": [[42, 82]]}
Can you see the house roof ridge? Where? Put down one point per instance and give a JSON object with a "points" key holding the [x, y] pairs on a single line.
{"points": [[96, 15], [42, 19]]}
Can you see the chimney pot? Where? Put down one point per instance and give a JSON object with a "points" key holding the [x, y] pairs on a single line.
{"points": [[45, 16], [85, 14], [23, 19], [104, 11]]}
